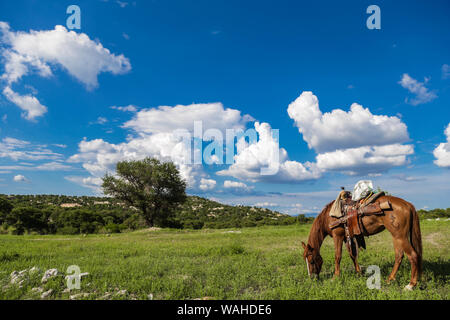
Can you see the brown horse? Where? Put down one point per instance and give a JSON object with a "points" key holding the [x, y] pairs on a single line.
{"points": [[402, 221]]}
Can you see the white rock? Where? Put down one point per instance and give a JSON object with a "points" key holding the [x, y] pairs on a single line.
{"points": [[18, 277], [37, 289], [21, 282], [50, 273], [106, 296], [23, 273], [79, 295], [46, 294], [122, 292], [34, 270]]}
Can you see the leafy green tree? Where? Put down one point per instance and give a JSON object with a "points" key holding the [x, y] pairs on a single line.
{"points": [[5, 209], [301, 218], [156, 188], [27, 219]]}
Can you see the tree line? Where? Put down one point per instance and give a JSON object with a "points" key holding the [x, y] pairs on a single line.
{"points": [[43, 214], [434, 213], [142, 194]]}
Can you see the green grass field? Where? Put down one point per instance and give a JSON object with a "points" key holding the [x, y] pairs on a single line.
{"points": [[250, 263]]}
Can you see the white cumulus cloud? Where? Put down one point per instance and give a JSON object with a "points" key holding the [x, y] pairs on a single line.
{"points": [[169, 119], [365, 160], [20, 178], [42, 51], [265, 204], [442, 151], [339, 129], [266, 153], [207, 184], [234, 184], [99, 157], [354, 141]]}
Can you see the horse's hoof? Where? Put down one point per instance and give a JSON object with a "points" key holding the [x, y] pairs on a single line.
{"points": [[408, 287]]}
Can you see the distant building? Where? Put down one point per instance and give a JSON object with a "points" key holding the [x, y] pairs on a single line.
{"points": [[101, 202], [70, 205]]}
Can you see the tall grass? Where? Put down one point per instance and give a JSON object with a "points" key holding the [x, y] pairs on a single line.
{"points": [[252, 263]]}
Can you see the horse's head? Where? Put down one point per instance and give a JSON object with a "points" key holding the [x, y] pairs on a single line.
{"points": [[313, 260]]}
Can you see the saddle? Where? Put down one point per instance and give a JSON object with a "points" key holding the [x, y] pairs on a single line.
{"points": [[351, 220]]}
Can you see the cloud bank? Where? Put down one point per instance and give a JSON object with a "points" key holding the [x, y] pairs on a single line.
{"points": [[154, 136]]}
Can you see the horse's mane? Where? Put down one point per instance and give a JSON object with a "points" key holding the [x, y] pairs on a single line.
{"points": [[317, 233], [322, 216], [325, 209]]}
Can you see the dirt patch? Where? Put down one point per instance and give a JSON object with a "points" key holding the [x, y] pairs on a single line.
{"points": [[432, 238]]}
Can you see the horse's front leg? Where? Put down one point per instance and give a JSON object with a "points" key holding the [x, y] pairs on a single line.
{"points": [[337, 254]]}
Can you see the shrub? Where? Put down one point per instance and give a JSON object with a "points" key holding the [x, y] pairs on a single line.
{"points": [[68, 230], [115, 228]]}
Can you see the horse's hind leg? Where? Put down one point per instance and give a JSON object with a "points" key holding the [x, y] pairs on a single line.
{"points": [[413, 259], [398, 258]]}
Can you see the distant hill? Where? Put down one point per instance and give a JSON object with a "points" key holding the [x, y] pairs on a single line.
{"points": [[199, 212], [86, 214]]}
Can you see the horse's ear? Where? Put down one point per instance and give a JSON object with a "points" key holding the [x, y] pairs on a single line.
{"points": [[304, 245]]}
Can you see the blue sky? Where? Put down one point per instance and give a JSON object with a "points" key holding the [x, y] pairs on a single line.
{"points": [[215, 59]]}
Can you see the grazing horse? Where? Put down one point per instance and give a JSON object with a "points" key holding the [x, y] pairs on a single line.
{"points": [[402, 221]]}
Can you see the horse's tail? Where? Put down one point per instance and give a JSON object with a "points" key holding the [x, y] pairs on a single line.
{"points": [[416, 237]]}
